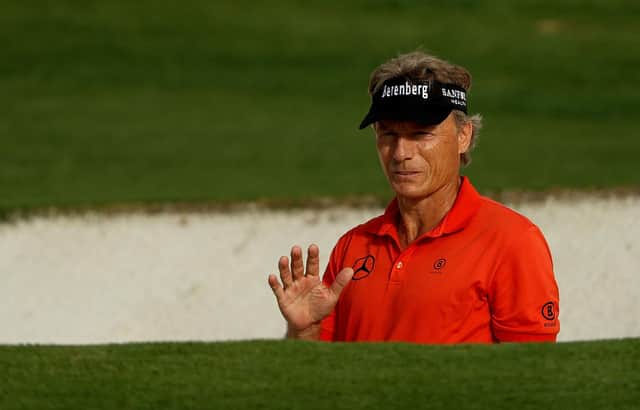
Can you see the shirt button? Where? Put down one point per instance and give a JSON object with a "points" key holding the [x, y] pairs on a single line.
{"points": [[399, 265]]}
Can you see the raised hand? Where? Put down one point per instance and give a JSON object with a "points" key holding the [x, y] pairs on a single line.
{"points": [[304, 300]]}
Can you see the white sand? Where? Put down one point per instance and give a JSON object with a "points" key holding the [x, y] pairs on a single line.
{"points": [[97, 279]]}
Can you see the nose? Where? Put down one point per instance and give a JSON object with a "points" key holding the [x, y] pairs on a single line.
{"points": [[403, 149]]}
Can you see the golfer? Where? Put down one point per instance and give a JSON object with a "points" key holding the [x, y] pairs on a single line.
{"points": [[443, 264]]}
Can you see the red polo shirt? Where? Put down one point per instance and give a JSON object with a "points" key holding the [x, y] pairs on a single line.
{"points": [[484, 275]]}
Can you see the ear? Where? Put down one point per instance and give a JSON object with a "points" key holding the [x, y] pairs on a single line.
{"points": [[464, 137]]}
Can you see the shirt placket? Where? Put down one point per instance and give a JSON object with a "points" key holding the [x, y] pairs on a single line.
{"points": [[399, 268]]}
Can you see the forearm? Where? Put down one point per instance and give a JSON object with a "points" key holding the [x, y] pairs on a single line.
{"points": [[310, 333]]}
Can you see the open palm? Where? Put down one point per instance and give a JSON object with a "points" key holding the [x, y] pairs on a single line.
{"points": [[304, 300]]}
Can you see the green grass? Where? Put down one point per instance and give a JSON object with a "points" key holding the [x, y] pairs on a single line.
{"points": [[287, 375], [115, 101]]}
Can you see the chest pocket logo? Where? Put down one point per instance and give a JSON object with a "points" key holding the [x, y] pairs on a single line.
{"points": [[363, 267], [439, 265]]}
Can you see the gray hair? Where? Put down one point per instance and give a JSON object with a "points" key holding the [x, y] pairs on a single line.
{"points": [[419, 66]]}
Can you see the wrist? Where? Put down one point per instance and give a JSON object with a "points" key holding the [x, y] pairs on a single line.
{"points": [[310, 333]]}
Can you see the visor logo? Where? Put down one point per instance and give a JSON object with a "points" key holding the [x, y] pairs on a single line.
{"points": [[455, 97], [406, 89], [363, 267]]}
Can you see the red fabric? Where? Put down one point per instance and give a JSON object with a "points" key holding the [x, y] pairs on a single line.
{"points": [[483, 275]]}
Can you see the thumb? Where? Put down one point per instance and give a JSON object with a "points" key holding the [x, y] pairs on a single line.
{"points": [[342, 279]]}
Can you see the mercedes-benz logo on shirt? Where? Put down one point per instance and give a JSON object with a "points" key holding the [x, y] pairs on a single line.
{"points": [[363, 267]]}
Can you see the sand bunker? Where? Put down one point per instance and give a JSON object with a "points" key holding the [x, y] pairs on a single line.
{"points": [[193, 276]]}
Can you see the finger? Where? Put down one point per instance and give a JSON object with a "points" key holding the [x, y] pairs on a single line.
{"points": [[285, 273], [342, 279], [313, 260], [297, 267], [276, 287]]}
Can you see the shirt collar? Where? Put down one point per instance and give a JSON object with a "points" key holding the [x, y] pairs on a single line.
{"points": [[464, 208]]}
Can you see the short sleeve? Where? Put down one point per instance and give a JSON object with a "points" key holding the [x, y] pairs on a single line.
{"points": [[523, 293]]}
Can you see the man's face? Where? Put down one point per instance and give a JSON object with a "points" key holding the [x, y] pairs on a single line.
{"points": [[420, 159]]}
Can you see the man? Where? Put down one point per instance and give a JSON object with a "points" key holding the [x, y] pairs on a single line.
{"points": [[442, 264]]}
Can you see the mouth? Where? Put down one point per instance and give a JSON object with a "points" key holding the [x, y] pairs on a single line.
{"points": [[405, 176]]}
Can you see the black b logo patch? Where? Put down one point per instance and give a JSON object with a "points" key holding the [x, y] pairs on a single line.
{"points": [[549, 311], [439, 264]]}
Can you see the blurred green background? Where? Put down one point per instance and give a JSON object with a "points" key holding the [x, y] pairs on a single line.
{"points": [[131, 102]]}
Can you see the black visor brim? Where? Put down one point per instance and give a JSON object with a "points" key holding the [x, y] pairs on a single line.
{"points": [[432, 116], [426, 103]]}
